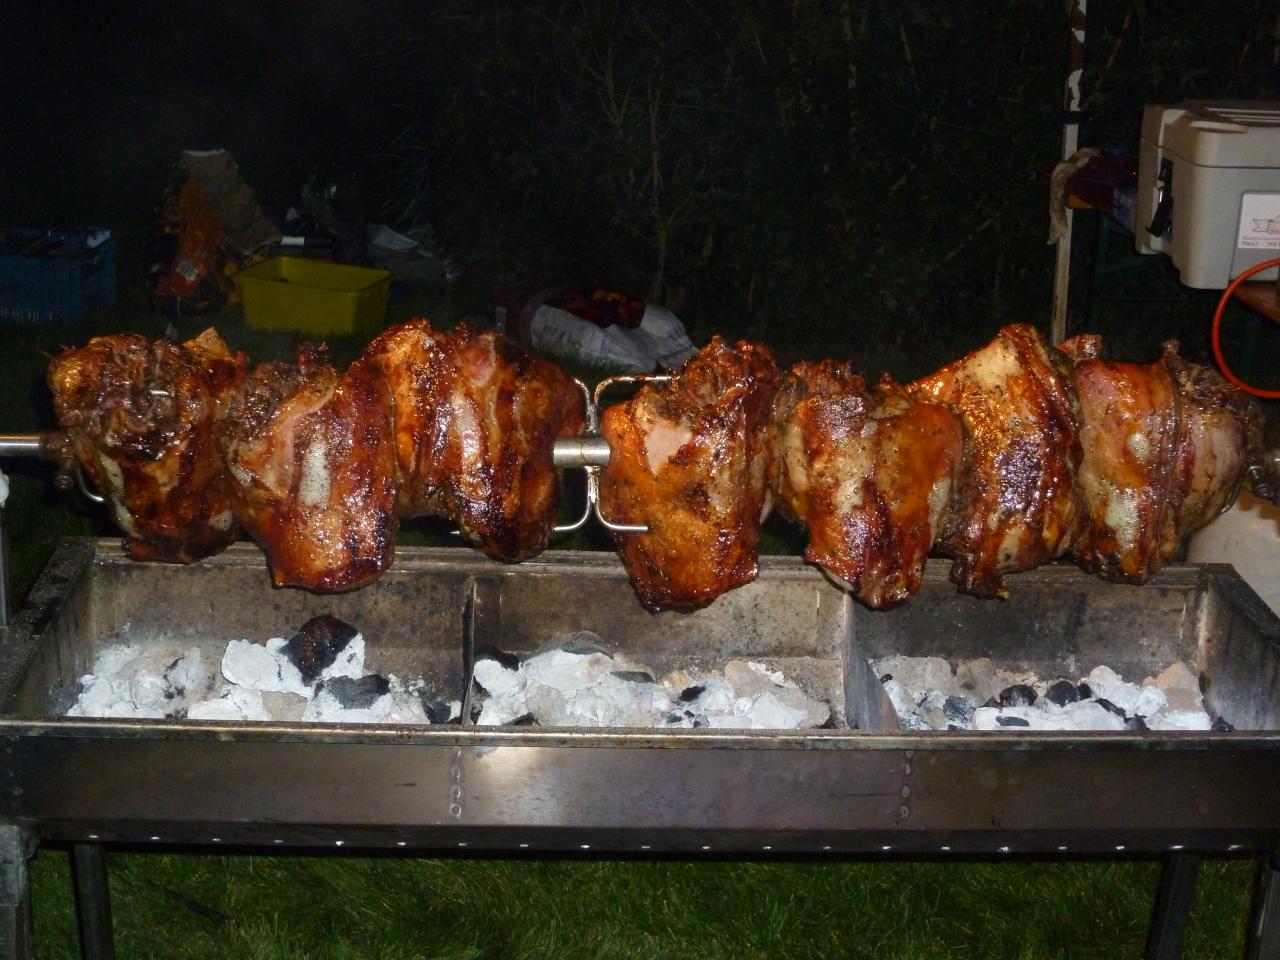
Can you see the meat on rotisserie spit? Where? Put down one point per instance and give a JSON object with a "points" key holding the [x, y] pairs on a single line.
{"points": [[139, 414]]}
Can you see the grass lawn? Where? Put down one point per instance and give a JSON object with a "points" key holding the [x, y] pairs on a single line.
{"points": [[178, 906]]}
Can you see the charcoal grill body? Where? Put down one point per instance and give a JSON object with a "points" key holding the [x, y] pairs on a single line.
{"points": [[862, 788]]}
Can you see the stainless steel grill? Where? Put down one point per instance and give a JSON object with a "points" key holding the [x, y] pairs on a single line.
{"points": [[861, 789]]}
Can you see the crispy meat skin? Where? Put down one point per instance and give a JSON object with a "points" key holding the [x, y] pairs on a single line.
{"points": [[475, 420], [691, 459], [139, 414], [869, 474], [1164, 445], [1015, 505], [311, 457]]}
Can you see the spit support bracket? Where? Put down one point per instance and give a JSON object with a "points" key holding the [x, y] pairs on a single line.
{"points": [[590, 451]]}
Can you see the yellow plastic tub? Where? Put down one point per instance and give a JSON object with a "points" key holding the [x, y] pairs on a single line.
{"points": [[314, 297]]}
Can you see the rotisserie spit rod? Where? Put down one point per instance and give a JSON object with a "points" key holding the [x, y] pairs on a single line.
{"points": [[1004, 459]]}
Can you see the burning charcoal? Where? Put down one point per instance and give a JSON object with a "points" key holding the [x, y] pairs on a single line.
{"points": [[1013, 722], [317, 644], [1135, 723], [356, 694], [690, 694], [1018, 695], [1222, 726], [959, 710], [1110, 707], [635, 676], [1062, 692]]}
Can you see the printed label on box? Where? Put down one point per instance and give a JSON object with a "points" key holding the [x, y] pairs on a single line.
{"points": [[1259, 226]]}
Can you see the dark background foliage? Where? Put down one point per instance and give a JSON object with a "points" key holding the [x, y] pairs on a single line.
{"points": [[832, 177]]}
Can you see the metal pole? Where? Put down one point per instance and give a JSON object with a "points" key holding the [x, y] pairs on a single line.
{"points": [[1070, 143], [93, 901], [17, 939]]}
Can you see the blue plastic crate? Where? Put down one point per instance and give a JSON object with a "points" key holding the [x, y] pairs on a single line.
{"points": [[51, 275]]}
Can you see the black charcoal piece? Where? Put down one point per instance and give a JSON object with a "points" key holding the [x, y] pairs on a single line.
{"points": [[1018, 695], [317, 644], [1062, 692], [1110, 707], [886, 677], [583, 642], [1085, 691], [959, 710], [1135, 723], [356, 694], [1013, 722], [437, 711], [508, 661], [634, 676], [675, 718], [525, 720], [1223, 726], [690, 694]]}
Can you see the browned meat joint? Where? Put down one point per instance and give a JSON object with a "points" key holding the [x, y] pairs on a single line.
{"points": [[140, 415], [692, 460]]}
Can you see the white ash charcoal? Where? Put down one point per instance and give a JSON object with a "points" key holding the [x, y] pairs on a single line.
{"points": [[504, 689], [235, 703], [1180, 720], [1081, 715], [919, 673], [752, 680], [905, 705], [187, 678], [283, 707], [325, 707], [349, 662], [128, 682], [958, 712], [317, 644], [1107, 684], [262, 667], [565, 689], [1151, 700], [1180, 686], [712, 695]]}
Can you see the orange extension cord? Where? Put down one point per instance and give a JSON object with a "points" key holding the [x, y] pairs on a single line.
{"points": [[1216, 335]]}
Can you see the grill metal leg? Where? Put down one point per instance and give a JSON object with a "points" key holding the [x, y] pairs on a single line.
{"points": [[17, 937], [93, 901], [1174, 896], [1263, 937]]}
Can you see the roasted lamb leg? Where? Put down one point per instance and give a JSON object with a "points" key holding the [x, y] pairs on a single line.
{"points": [[139, 414], [476, 417], [691, 460], [1015, 505], [311, 457], [1164, 446], [870, 475]]}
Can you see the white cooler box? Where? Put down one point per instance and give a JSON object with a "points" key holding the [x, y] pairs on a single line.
{"points": [[1209, 187]]}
